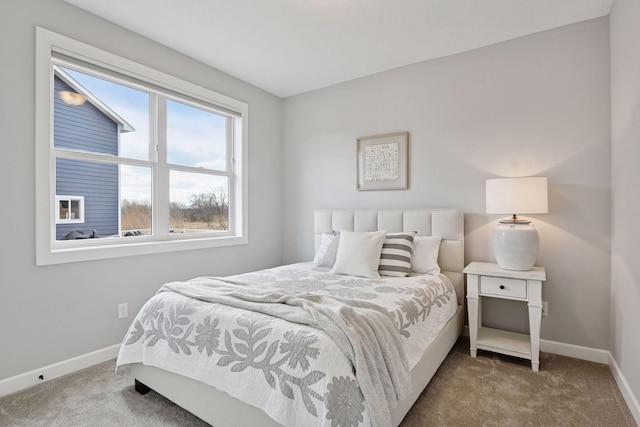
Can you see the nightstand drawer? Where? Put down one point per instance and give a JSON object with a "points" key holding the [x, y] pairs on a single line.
{"points": [[503, 287]]}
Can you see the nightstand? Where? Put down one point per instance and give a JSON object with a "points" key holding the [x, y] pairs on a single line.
{"points": [[488, 280]]}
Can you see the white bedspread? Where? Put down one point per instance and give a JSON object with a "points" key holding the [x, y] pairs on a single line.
{"points": [[296, 373]]}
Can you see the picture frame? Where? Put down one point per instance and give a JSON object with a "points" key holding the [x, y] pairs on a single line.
{"points": [[383, 162]]}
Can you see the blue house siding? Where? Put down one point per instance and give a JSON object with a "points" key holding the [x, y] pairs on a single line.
{"points": [[84, 127], [98, 183]]}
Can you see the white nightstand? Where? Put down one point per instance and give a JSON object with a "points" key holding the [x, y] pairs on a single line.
{"points": [[488, 280]]}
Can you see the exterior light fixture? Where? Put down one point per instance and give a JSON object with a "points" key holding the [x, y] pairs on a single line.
{"points": [[72, 98]]}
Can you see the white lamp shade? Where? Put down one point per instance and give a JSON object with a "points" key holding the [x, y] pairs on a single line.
{"points": [[517, 195]]}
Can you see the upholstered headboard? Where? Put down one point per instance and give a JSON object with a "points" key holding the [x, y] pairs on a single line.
{"points": [[447, 223]]}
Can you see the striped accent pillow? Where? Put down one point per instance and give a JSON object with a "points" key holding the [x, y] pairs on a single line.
{"points": [[395, 259]]}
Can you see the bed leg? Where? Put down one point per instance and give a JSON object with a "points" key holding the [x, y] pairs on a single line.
{"points": [[141, 388]]}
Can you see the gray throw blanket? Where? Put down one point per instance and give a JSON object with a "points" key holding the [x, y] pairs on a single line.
{"points": [[365, 333]]}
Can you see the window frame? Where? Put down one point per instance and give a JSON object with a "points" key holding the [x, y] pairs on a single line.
{"points": [[48, 250]]}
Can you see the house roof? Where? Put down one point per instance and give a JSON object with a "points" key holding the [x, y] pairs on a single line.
{"points": [[93, 99]]}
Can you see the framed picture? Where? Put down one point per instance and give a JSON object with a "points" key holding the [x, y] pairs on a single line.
{"points": [[383, 161]]}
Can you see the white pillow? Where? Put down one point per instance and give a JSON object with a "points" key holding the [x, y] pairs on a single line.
{"points": [[359, 253], [329, 257], [325, 240], [424, 258]]}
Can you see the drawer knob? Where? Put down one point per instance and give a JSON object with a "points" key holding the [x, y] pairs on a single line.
{"points": [[501, 286]]}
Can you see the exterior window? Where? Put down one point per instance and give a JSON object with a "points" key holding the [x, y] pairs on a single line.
{"points": [[69, 209], [153, 163]]}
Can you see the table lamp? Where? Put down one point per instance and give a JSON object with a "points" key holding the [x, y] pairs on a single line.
{"points": [[515, 241]]}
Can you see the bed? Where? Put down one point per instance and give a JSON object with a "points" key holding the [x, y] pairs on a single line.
{"points": [[308, 385]]}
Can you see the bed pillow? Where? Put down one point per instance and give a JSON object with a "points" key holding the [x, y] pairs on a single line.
{"points": [[325, 241], [359, 253], [395, 259], [425, 255], [329, 256]]}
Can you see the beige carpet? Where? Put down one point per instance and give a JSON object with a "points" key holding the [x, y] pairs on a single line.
{"points": [[497, 390], [491, 390]]}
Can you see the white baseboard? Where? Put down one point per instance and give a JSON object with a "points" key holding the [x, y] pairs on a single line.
{"points": [[623, 385], [28, 379], [577, 351]]}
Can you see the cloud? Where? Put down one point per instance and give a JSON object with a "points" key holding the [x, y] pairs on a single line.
{"points": [[135, 183], [195, 137]]}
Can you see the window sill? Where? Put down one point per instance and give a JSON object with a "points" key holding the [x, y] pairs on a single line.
{"points": [[58, 255]]}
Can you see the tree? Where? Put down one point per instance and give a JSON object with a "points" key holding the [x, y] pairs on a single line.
{"points": [[178, 212], [211, 207]]}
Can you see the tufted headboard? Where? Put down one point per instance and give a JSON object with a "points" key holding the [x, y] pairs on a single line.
{"points": [[447, 223]]}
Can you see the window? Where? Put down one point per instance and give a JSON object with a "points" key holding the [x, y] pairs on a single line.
{"points": [[69, 209], [130, 160]]}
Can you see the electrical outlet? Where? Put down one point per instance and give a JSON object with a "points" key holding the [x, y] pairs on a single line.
{"points": [[123, 310], [545, 308]]}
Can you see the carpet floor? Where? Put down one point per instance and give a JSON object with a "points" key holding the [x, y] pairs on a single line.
{"points": [[491, 390]]}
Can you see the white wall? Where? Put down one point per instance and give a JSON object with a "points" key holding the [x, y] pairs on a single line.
{"points": [[538, 105], [625, 181], [50, 314]]}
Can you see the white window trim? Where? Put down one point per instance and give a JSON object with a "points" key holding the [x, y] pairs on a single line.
{"points": [[47, 252]]}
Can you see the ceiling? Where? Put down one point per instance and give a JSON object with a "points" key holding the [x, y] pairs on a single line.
{"points": [[287, 47]]}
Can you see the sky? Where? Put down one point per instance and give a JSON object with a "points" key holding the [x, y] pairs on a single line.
{"points": [[195, 137]]}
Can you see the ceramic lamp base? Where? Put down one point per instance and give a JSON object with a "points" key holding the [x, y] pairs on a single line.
{"points": [[515, 246]]}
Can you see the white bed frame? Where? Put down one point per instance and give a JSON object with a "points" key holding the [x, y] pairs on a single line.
{"points": [[221, 410]]}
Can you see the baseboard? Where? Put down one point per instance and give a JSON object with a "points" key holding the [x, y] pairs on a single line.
{"points": [[577, 351], [623, 385], [28, 379]]}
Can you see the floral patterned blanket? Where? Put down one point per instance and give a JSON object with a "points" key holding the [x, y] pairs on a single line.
{"points": [[296, 373]]}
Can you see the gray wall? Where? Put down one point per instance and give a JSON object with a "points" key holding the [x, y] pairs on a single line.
{"points": [[538, 105], [625, 135], [53, 313]]}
